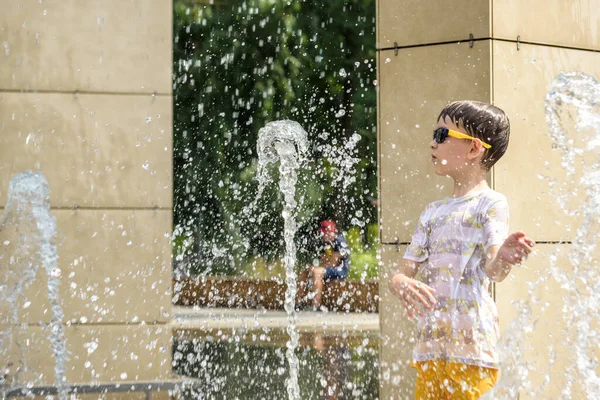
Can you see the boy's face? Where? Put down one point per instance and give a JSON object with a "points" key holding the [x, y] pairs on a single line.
{"points": [[328, 236], [454, 156]]}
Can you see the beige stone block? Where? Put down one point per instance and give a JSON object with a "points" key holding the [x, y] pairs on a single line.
{"points": [[535, 313], [521, 81], [28, 301], [413, 88], [95, 150], [397, 377], [115, 268], [19, 264], [414, 22], [572, 23], [97, 353], [116, 396], [123, 353], [25, 355], [88, 46], [120, 269], [124, 396], [391, 261]]}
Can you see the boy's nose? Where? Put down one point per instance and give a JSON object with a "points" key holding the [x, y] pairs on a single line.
{"points": [[433, 144]]}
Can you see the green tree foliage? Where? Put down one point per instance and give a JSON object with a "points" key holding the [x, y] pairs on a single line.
{"points": [[241, 64]]}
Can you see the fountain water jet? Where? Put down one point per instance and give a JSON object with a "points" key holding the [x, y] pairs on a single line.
{"points": [[572, 95], [28, 207], [582, 92], [286, 142]]}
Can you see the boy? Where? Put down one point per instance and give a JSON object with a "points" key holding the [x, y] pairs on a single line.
{"points": [[461, 243]]}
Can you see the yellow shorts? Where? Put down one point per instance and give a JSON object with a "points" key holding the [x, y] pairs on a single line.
{"points": [[442, 380]]}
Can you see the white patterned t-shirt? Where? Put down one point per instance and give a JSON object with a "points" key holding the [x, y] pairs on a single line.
{"points": [[450, 241]]}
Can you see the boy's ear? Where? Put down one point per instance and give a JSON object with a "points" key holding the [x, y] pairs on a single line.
{"points": [[476, 149]]}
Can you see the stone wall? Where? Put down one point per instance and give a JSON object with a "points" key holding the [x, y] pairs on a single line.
{"points": [[86, 98]]}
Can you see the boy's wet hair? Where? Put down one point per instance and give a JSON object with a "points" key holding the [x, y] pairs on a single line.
{"points": [[483, 121]]}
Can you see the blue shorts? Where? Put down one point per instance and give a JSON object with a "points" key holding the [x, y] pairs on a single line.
{"points": [[335, 273]]}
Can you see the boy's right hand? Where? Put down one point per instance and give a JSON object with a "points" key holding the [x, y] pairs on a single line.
{"points": [[413, 293]]}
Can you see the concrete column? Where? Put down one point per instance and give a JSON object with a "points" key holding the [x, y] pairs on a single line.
{"points": [[86, 98], [534, 42]]}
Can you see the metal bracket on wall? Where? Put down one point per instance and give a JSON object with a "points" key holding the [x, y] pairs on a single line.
{"points": [[395, 48], [518, 42], [397, 245], [470, 40]]}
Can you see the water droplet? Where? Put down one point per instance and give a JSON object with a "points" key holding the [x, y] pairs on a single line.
{"points": [[91, 346]]}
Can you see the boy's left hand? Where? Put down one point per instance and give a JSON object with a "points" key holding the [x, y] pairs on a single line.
{"points": [[515, 248], [331, 260]]}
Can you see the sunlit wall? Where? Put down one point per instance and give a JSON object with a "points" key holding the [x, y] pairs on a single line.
{"points": [[506, 52]]}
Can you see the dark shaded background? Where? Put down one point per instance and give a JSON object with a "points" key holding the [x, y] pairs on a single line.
{"points": [[239, 65]]}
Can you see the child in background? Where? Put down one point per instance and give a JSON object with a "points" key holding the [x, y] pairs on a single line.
{"points": [[334, 263], [460, 245]]}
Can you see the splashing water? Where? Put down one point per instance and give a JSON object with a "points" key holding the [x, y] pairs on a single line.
{"points": [[582, 92], [28, 209], [287, 142], [572, 96]]}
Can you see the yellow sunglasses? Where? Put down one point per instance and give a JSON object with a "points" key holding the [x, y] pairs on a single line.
{"points": [[440, 134]]}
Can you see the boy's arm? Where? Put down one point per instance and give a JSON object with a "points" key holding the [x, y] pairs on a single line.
{"points": [[501, 259], [411, 291]]}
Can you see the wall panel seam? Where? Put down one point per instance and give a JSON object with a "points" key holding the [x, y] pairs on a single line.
{"points": [[77, 92], [492, 100], [379, 183], [108, 208], [558, 46], [152, 323], [491, 14], [467, 40]]}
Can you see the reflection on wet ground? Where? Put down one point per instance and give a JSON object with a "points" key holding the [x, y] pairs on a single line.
{"points": [[241, 354]]}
